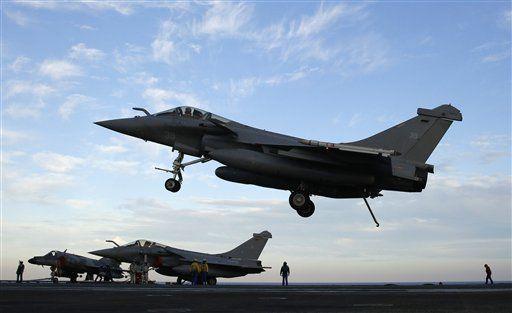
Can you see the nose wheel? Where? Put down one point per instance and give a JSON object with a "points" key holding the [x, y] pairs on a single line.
{"points": [[301, 203], [173, 185]]}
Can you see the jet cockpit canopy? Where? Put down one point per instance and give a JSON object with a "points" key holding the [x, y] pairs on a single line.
{"points": [[142, 243], [192, 112], [52, 253]]}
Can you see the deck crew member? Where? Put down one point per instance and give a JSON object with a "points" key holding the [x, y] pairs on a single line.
{"points": [[19, 272], [488, 274], [194, 271], [285, 272], [204, 272]]}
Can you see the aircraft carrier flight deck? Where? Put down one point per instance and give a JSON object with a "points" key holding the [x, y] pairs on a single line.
{"points": [[116, 297]]}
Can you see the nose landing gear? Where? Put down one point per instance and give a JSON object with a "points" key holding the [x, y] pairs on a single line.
{"points": [[174, 184]]}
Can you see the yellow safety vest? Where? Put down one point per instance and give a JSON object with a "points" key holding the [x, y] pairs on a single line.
{"points": [[194, 267], [204, 267]]}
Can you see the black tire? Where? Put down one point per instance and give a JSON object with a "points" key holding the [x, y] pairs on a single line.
{"points": [[172, 185], [308, 210], [179, 281], [298, 200], [55, 280], [212, 281]]}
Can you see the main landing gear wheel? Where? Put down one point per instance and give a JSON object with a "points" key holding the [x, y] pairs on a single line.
{"points": [[172, 185], [212, 281], [179, 281], [307, 210], [301, 203], [298, 200]]}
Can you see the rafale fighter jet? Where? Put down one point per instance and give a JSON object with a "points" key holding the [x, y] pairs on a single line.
{"points": [[393, 159], [170, 261], [69, 265]]}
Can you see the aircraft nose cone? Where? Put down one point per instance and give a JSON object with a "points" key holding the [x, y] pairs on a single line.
{"points": [[106, 253], [129, 126], [32, 261]]}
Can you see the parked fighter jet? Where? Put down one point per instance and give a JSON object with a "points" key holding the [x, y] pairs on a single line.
{"points": [[170, 261], [390, 160], [63, 264]]}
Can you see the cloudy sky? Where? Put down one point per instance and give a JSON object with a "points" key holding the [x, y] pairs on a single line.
{"points": [[329, 71]]}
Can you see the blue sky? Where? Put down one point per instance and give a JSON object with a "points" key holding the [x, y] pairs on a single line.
{"points": [[333, 71]]}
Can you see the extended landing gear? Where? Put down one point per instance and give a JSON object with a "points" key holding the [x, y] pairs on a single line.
{"points": [[179, 281], [212, 281], [174, 184], [301, 203]]}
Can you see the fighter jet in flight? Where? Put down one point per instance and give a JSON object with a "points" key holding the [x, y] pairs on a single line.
{"points": [[170, 261], [64, 264], [394, 159]]}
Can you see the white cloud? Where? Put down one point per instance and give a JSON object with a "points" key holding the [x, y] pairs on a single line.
{"points": [[72, 102], [306, 39], [24, 110], [87, 27], [141, 78], [508, 17], [130, 58], [122, 166], [290, 77], [172, 43], [243, 87], [355, 119], [487, 141], [35, 188], [243, 202], [493, 51], [19, 63], [365, 54], [492, 147], [81, 51], [224, 18], [55, 162], [19, 87], [58, 69], [111, 148], [496, 57], [427, 40], [124, 8], [17, 17], [78, 203], [164, 99], [13, 137], [162, 46], [323, 18]]}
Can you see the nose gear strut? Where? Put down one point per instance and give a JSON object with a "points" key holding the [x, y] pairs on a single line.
{"points": [[173, 184]]}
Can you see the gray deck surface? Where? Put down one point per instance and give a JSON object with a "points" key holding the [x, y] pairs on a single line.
{"points": [[116, 297]]}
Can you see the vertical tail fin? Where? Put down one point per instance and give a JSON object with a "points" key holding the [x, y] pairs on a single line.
{"points": [[251, 249], [416, 138]]}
